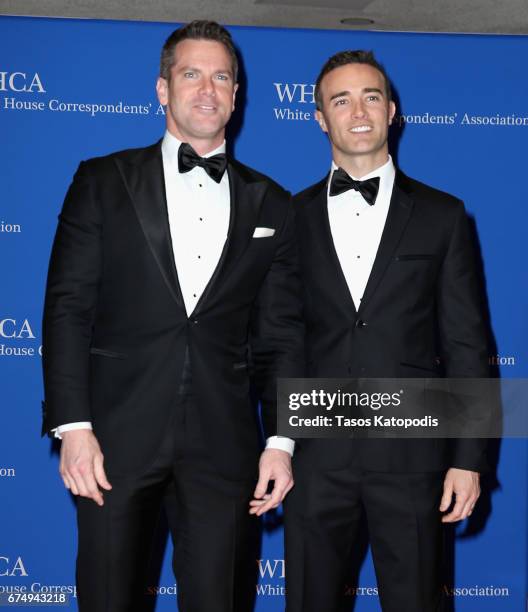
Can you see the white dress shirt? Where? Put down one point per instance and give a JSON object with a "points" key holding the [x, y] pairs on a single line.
{"points": [[357, 227], [198, 210]]}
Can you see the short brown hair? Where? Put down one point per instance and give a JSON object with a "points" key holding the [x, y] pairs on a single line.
{"points": [[349, 57], [197, 30]]}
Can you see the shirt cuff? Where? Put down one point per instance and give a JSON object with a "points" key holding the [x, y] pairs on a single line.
{"points": [[69, 427], [281, 443]]}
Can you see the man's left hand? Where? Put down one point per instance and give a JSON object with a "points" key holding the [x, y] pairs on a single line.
{"points": [[464, 484], [274, 465]]}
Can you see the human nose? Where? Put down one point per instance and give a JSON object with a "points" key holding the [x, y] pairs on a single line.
{"points": [[208, 87], [358, 109]]}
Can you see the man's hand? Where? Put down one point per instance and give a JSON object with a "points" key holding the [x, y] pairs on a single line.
{"points": [[274, 465], [464, 484], [81, 465]]}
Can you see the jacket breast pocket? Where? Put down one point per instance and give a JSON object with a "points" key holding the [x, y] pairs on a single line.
{"points": [[263, 232], [414, 257]]}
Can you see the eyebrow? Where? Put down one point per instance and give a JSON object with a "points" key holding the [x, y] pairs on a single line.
{"points": [[365, 90], [217, 71], [338, 95]]}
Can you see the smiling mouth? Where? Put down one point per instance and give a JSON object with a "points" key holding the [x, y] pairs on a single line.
{"points": [[206, 107], [360, 129]]}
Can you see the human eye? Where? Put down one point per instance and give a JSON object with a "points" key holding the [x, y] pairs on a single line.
{"points": [[189, 74], [221, 76], [373, 98], [340, 101]]}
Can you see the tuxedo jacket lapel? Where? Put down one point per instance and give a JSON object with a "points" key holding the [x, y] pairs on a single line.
{"points": [[400, 210], [321, 229], [246, 193], [144, 179]]}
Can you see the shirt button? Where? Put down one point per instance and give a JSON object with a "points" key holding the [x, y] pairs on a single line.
{"points": [[201, 218], [357, 214], [200, 184], [199, 257], [358, 256]]}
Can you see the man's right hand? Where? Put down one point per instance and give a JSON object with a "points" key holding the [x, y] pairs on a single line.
{"points": [[81, 465]]}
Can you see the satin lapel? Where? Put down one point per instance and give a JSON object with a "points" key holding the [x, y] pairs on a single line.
{"points": [[246, 195], [400, 209], [145, 182], [321, 228]]}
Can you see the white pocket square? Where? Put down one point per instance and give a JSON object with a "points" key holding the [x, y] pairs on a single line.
{"points": [[263, 232]]}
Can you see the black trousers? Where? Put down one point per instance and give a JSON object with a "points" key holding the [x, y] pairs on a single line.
{"points": [[323, 513], [215, 539]]}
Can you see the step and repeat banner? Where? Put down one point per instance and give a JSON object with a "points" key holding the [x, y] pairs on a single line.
{"points": [[71, 90]]}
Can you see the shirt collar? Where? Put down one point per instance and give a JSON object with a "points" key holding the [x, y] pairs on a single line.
{"points": [[171, 144], [386, 172]]}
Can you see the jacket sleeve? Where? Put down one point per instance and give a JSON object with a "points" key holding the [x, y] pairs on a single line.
{"points": [[70, 303], [463, 332], [277, 328]]}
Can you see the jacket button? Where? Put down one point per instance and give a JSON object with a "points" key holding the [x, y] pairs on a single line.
{"points": [[195, 321], [360, 323]]}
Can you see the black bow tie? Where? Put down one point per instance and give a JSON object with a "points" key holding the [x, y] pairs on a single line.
{"points": [[188, 158], [341, 182]]}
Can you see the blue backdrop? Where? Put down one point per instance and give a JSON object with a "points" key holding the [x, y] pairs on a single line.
{"points": [[70, 90]]}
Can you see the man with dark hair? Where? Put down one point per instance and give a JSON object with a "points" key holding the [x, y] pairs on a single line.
{"points": [[350, 57], [391, 290], [197, 30], [173, 279]]}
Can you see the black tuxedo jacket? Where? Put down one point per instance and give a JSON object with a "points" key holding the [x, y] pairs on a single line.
{"points": [[420, 316], [115, 327]]}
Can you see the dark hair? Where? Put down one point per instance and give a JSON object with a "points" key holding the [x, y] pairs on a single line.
{"points": [[350, 57], [197, 30]]}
